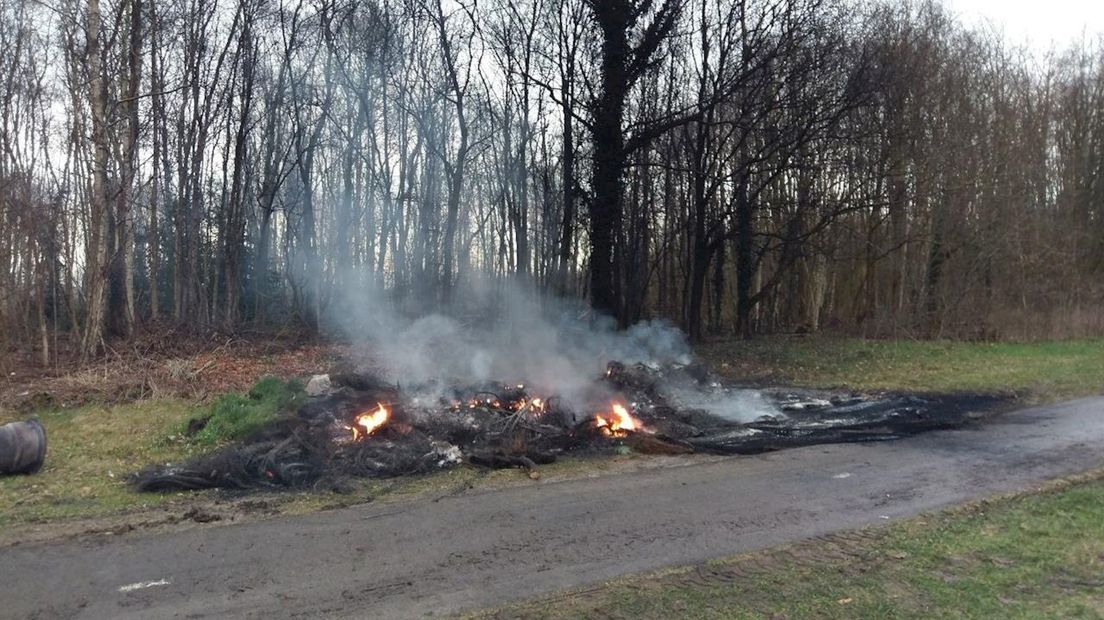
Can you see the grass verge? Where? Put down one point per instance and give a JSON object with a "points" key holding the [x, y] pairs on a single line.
{"points": [[1031, 556], [94, 448], [90, 451], [1040, 372]]}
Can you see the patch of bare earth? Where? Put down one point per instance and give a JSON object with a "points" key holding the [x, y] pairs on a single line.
{"points": [[168, 518]]}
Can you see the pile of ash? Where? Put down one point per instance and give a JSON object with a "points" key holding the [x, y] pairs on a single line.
{"points": [[358, 425]]}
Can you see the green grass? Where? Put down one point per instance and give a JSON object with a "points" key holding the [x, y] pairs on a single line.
{"points": [[90, 451], [1039, 371], [235, 416], [1038, 556]]}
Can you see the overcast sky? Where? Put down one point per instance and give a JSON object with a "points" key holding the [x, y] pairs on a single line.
{"points": [[1035, 22]]}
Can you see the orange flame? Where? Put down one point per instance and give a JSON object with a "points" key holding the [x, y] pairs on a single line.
{"points": [[370, 421], [619, 423]]}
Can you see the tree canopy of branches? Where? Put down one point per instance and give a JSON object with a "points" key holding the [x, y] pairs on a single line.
{"points": [[735, 166]]}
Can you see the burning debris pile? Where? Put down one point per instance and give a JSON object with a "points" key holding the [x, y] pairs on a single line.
{"points": [[362, 426]]}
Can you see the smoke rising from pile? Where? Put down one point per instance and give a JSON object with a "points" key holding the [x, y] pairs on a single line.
{"points": [[501, 332]]}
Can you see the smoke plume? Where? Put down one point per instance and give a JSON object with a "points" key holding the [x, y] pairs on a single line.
{"points": [[503, 332]]}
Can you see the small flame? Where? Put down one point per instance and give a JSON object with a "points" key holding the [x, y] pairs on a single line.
{"points": [[515, 403], [620, 423], [370, 422]]}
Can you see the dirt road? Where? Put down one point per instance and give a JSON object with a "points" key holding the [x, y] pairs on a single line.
{"points": [[467, 551]]}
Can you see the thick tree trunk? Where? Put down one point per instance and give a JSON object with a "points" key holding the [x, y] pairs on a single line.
{"points": [[153, 239], [700, 249], [41, 280], [606, 209], [458, 168], [621, 65]]}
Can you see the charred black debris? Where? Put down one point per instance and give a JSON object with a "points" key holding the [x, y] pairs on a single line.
{"points": [[363, 426]]}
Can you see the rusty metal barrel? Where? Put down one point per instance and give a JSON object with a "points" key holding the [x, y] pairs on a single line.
{"points": [[22, 447]]}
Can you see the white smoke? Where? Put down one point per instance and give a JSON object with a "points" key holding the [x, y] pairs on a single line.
{"points": [[739, 406], [503, 332]]}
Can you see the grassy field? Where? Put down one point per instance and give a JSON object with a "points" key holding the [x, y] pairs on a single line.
{"points": [[1034, 556], [1036, 371]]}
